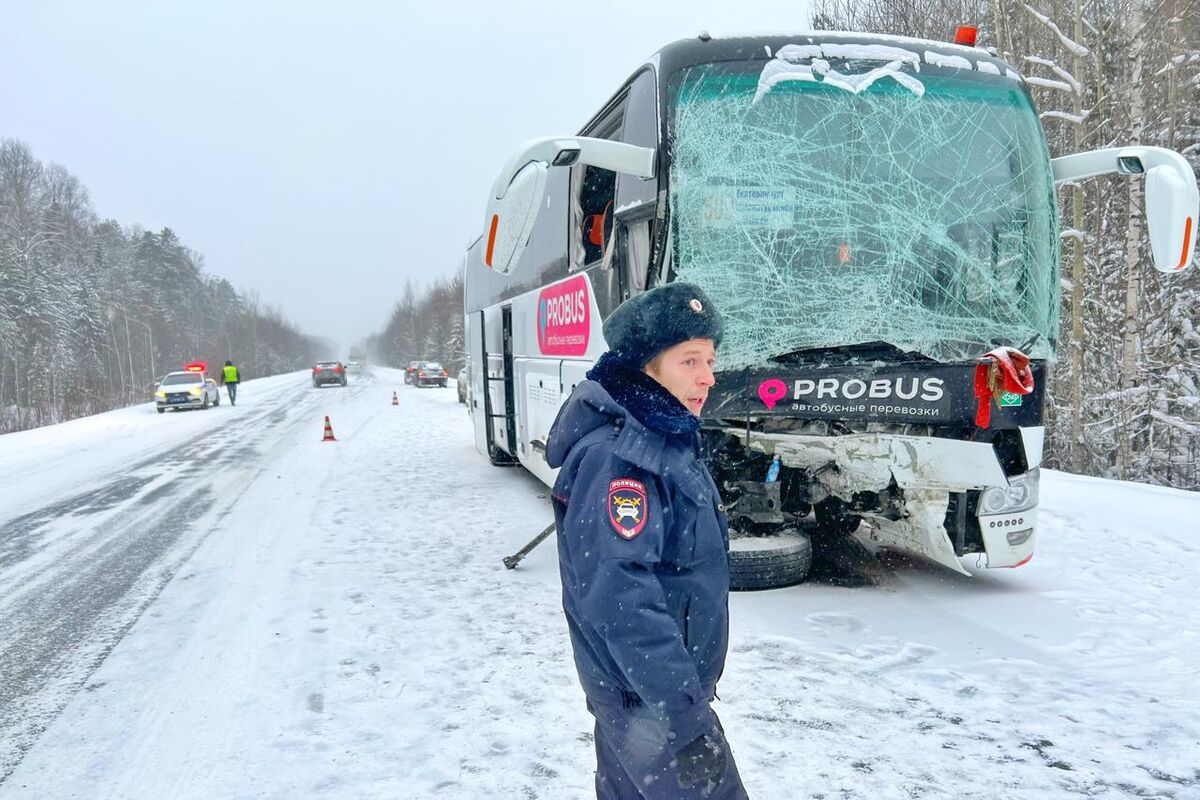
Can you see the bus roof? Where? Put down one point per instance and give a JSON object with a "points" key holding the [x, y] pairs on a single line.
{"points": [[690, 52]]}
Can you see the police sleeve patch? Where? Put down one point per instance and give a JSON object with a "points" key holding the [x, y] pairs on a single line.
{"points": [[627, 506]]}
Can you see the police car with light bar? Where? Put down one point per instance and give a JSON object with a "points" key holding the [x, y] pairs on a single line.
{"points": [[188, 388]]}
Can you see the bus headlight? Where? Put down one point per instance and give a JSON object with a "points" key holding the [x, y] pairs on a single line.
{"points": [[1021, 494]]}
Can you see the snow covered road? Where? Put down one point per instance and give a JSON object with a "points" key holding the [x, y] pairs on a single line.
{"points": [[112, 506], [219, 605]]}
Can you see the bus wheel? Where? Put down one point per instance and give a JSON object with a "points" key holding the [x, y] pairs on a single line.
{"points": [[768, 562]]}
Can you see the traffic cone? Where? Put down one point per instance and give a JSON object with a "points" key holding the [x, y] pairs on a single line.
{"points": [[328, 432], [395, 399]]}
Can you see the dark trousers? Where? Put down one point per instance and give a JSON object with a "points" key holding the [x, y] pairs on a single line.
{"points": [[635, 761], [232, 387]]}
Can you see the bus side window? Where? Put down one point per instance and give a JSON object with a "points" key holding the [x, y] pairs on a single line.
{"points": [[593, 195], [638, 196], [637, 256], [596, 197], [640, 127]]}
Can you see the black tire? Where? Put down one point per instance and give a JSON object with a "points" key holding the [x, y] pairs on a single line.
{"points": [[161, 410], [204, 405], [769, 562]]}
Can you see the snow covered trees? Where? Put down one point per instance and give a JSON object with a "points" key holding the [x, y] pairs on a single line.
{"points": [[426, 326], [91, 313]]}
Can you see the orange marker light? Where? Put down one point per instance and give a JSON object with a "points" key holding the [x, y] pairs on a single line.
{"points": [[1187, 240], [966, 34], [492, 239]]}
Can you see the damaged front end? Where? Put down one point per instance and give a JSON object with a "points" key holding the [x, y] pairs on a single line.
{"points": [[877, 225], [940, 498]]}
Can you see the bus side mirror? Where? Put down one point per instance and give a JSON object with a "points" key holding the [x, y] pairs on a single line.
{"points": [[1172, 199], [1170, 218], [518, 190], [510, 218]]}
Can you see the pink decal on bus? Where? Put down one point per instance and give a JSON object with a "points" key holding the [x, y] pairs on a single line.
{"points": [[564, 318], [771, 391]]}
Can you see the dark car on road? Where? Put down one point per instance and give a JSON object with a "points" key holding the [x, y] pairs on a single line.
{"points": [[430, 373], [329, 372]]}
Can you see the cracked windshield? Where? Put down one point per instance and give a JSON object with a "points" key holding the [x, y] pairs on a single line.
{"points": [[825, 209]]}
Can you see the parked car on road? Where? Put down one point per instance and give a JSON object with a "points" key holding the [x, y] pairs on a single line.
{"points": [[189, 388], [410, 372], [430, 373], [329, 372], [462, 385]]}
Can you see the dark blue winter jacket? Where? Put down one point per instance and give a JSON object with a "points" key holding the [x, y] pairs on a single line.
{"points": [[642, 546]]}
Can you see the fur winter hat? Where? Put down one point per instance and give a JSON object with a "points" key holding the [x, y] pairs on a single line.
{"points": [[648, 323]]}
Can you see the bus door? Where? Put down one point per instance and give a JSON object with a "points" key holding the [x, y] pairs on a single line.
{"points": [[498, 407], [510, 410], [499, 419]]}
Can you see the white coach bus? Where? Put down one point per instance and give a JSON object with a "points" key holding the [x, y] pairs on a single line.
{"points": [[871, 215]]}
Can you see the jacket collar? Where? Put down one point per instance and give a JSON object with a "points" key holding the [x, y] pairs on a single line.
{"points": [[589, 408], [643, 397], [592, 405]]}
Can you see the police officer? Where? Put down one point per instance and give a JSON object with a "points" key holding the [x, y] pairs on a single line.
{"points": [[231, 378], [642, 549]]}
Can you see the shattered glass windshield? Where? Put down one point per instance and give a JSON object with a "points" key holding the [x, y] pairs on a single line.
{"points": [[824, 207]]}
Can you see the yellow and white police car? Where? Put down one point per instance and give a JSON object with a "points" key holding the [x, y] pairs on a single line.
{"points": [[189, 388]]}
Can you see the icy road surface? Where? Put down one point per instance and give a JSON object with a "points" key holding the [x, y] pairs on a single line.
{"points": [[216, 604]]}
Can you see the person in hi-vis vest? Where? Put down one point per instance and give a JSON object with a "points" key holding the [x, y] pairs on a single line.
{"points": [[231, 378]]}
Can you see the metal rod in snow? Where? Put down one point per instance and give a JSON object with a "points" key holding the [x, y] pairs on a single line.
{"points": [[517, 557]]}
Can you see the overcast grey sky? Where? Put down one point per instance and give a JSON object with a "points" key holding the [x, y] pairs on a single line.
{"points": [[319, 154]]}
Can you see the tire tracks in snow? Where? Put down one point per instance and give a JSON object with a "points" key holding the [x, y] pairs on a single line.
{"points": [[79, 572]]}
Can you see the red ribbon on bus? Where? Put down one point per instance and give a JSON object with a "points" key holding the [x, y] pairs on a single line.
{"points": [[1002, 370]]}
